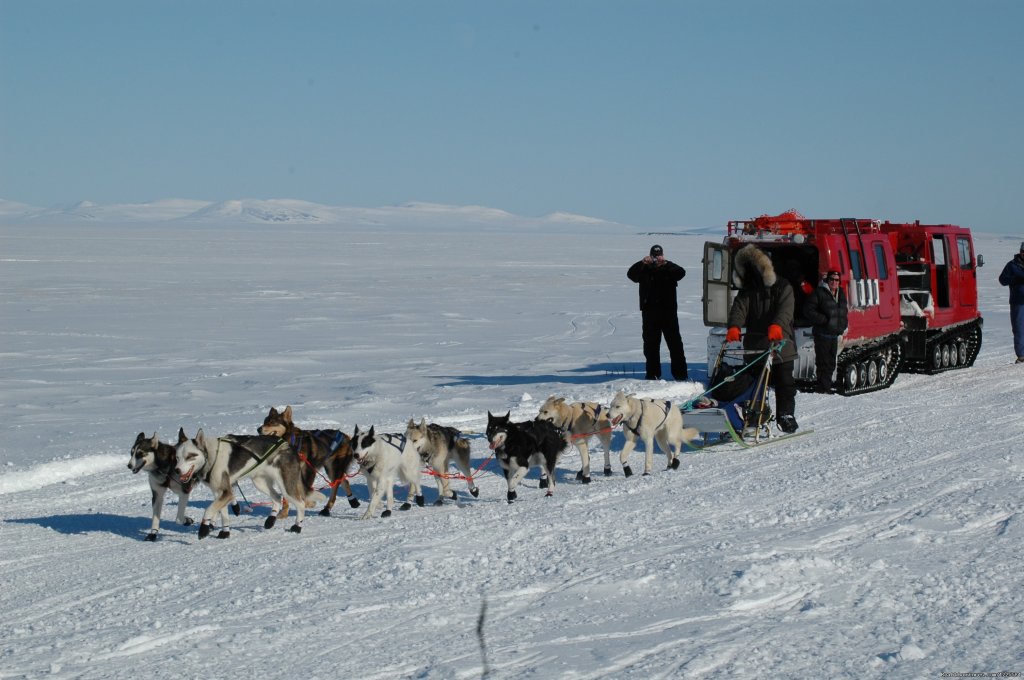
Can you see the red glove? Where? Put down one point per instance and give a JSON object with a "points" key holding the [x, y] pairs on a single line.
{"points": [[733, 334], [775, 332]]}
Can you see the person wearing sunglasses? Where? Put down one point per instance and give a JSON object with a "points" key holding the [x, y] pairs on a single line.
{"points": [[826, 310]]}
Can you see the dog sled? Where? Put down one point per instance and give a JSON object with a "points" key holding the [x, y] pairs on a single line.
{"points": [[736, 406]]}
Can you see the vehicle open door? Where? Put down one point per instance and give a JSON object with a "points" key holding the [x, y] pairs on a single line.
{"points": [[718, 292]]}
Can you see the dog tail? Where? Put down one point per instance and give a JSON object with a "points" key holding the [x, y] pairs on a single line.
{"points": [[690, 433], [313, 498], [462, 450]]}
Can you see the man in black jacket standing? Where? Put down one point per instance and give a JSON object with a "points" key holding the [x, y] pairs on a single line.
{"points": [[658, 279], [826, 310]]}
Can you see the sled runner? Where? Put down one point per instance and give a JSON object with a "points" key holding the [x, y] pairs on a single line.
{"points": [[738, 410]]}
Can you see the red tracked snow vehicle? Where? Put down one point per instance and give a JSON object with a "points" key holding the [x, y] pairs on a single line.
{"points": [[912, 292]]}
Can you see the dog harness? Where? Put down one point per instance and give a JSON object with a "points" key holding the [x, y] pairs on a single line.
{"points": [[636, 430], [259, 459]]}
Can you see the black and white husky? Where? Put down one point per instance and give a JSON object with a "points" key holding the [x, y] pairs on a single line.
{"points": [[269, 462], [650, 420], [439, 446], [581, 420], [157, 459], [384, 459], [517, 446]]}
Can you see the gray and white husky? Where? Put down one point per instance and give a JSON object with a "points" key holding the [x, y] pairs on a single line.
{"points": [[650, 420], [269, 462], [157, 459], [581, 420], [439, 446], [384, 459]]}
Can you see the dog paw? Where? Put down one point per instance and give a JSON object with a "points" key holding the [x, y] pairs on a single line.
{"points": [[646, 474], [543, 482], [419, 501], [626, 470], [475, 491], [353, 501], [151, 537], [439, 502], [511, 496], [579, 475], [204, 530], [188, 521], [325, 512], [295, 529], [386, 513], [270, 522], [607, 472], [224, 533], [585, 480], [405, 506], [454, 496], [674, 465], [236, 508], [549, 494]]}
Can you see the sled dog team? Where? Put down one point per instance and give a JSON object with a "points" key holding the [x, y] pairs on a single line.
{"points": [[283, 461]]}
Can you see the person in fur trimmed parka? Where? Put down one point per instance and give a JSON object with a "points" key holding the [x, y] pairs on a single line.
{"points": [[764, 305]]}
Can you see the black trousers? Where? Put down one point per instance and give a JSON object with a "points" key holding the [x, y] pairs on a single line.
{"points": [[825, 351], [783, 382], [659, 323], [785, 388]]}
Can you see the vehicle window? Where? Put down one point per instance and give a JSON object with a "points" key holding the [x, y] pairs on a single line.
{"points": [[716, 265], [963, 246], [938, 251], [883, 270], [855, 264]]}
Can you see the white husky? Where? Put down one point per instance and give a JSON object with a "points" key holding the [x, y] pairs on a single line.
{"points": [[650, 420], [383, 459]]}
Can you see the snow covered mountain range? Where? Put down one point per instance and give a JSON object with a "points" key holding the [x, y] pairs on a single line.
{"points": [[284, 211]]}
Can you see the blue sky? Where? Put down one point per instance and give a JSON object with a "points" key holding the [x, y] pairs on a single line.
{"points": [[656, 114]]}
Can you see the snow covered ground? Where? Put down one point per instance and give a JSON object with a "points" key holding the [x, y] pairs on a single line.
{"points": [[887, 544]]}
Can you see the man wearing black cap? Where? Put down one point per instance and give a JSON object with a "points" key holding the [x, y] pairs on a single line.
{"points": [[658, 279], [1013, 276]]}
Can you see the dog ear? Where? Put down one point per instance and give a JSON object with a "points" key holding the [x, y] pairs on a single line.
{"points": [[287, 415], [371, 430], [273, 412], [201, 439], [154, 442], [411, 424], [181, 435], [423, 423]]}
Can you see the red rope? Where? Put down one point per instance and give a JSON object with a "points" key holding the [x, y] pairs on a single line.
{"points": [[459, 475], [582, 435]]}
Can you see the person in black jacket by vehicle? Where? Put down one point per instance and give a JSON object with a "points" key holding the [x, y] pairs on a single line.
{"points": [[826, 310], [658, 279]]}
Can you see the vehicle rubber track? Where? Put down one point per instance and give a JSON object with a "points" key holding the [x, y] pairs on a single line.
{"points": [[949, 350], [868, 368]]}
